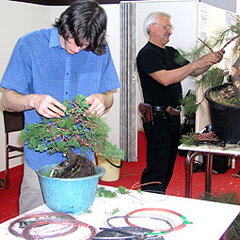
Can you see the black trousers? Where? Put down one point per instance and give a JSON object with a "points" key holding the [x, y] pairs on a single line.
{"points": [[162, 146]]}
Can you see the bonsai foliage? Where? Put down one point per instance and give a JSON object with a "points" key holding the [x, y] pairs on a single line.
{"points": [[78, 129], [215, 76], [189, 104]]}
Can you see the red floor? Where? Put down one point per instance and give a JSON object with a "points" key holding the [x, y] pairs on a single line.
{"points": [[131, 172]]}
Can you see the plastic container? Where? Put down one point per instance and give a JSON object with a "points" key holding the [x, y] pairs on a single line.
{"points": [[225, 119], [111, 166], [69, 195]]}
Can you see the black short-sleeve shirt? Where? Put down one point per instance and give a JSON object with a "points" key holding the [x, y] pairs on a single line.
{"points": [[152, 58]]}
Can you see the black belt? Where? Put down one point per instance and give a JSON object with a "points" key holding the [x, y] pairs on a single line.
{"points": [[158, 108], [169, 110]]}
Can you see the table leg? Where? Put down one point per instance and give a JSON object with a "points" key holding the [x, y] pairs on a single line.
{"points": [[189, 163], [208, 175]]}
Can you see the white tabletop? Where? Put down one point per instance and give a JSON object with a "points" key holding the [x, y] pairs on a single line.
{"points": [[209, 219], [230, 149]]}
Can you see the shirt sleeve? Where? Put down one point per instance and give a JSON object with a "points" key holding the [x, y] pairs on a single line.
{"points": [[18, 74], [149, 61], [109, 79], [179, 60]]}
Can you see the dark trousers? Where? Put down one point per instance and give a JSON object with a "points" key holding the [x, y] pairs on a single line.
{"points": [[162, 146]]}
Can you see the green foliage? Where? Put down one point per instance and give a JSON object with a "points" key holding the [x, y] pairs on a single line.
{"points": [[122, 190], [232, 33], [114, 211], [1, 183], [226, 197], [214, 76], [211, 78], [189, 104], [112, 152], [188, 139], [77, 129], [102, 192], [215, 41], [195, 53]]}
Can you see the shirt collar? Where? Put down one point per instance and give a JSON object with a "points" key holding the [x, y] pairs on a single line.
{"points": [[54, 38]]}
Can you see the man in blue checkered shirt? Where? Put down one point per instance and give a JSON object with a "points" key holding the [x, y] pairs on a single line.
{"points": [[50, 65]]}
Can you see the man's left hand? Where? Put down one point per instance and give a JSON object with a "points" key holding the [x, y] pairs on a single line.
{"points": [[97, 103]]}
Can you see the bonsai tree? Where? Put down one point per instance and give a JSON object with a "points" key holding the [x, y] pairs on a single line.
{"points": [[215, 76], [78, 129], [226, 94]]}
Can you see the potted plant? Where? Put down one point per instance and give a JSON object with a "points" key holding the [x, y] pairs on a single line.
{"points": [[111, 161], [71, 185], [223, 96]]}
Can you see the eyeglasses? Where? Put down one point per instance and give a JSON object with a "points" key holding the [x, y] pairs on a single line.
{"points": [[167, 27]]}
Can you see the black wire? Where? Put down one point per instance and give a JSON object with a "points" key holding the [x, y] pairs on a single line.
{"points": [[149, 217]]}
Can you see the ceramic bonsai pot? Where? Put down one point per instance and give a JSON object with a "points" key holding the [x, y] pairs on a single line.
{"points": [[69, 195]]}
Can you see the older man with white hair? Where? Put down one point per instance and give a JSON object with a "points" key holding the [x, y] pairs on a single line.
{"points": [[161, 72]]}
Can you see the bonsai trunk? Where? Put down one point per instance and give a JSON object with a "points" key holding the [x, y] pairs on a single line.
{"points": [[235, 76], [75, 166]]}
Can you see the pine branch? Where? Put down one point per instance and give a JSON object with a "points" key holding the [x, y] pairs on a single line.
{"points": [[205, 44]]}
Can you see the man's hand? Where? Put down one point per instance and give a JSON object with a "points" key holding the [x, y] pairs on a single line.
{"points": [[97, 103], [209, 59], [47, 106]]}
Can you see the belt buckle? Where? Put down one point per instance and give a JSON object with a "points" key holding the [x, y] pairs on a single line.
{"points": [[159, 108], [172, 111]]}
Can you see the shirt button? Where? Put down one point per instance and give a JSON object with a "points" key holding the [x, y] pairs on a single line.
{"points": [[66, 93]]}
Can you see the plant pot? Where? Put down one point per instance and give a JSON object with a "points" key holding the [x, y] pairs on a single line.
{"points": [[225, 119], [111, 166], [69, 195]]}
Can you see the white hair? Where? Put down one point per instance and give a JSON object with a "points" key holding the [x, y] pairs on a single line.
{"points": [[152, 18]]}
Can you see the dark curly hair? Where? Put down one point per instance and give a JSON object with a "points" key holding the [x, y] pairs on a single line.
{"points": [[84, 20]]}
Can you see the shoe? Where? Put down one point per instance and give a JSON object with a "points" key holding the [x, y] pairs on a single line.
{"points": [[198, 167]]}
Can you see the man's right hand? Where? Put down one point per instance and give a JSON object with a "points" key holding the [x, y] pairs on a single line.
{"points": [[47, 106], [209, 59]]}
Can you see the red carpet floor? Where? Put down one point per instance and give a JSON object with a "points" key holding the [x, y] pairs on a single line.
{"points": [[9, 197], [129, 175]]}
